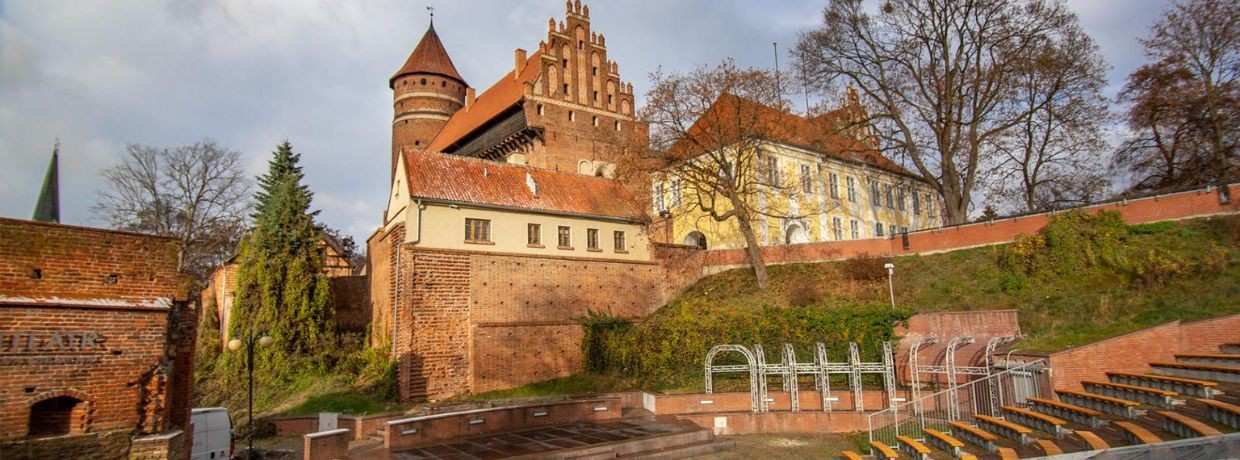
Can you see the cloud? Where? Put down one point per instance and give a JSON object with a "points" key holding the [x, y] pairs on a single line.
{"points": [[99, 75]]}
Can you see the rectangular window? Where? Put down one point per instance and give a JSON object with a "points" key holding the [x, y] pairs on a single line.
{"points": [[565, 241], [619, 240], [929, 206], [891, 202], [659, 205], [916, 203], [837, 228], [900, 200], [892, 229], [676, 193], [772, 169], [875, 198], [833, 183], [807, 180], [534, 235], [878, 229], [904, 230], [477, 230], [592, 239], [852, 189], [856, 230]]}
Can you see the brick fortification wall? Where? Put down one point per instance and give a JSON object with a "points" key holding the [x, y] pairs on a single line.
{"points": [[351, 295], [381, 258], [97, 316], [1172, 206], [474, 322], [1133, 352]]}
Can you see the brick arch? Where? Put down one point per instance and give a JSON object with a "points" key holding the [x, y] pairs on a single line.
{"points": [[83, 413]]}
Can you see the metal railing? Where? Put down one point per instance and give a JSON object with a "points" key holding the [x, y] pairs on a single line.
{"points": [[962, 402]]}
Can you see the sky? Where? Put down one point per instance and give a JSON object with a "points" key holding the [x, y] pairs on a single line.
{"points": [[249, 74]]}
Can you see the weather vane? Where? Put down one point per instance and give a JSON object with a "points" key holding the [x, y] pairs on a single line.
{"points": [[431, 10]]}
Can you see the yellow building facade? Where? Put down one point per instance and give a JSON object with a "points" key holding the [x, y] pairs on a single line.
{"points": [[804, 195]]}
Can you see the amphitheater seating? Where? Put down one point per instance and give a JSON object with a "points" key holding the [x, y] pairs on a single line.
{"points": [[1214, 359], [1001, 427], [1136, 434], [1186, 427], [850, 455], [1223, 413], [1190, 387], [943, 441], [1007, 453], [1151, 396], [1199, 371], [882, 451], [974, 435], [913, 448], [1105, 404], [1094, 442], [1047, 446], [1036, 420], [1231, 348], [1076, 414], [966, 456]]}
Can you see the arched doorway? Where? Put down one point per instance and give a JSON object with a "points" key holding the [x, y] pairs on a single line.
{"points": [[696, 239], [55, 416], [795, 234]]}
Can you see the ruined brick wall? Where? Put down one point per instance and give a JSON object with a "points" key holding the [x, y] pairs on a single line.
{"points": [[109, 445], [432, 346], [351, 296], [381, 260], [76, 262]]}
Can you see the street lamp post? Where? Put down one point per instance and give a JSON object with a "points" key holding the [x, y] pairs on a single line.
{"points": [[891, 270], [261, 339]]}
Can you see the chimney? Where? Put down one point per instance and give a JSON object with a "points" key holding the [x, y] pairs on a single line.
{"points": [[470, 95], [518, 63]]}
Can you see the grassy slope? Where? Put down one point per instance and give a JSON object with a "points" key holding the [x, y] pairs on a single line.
{"points": [[1056, 312]]}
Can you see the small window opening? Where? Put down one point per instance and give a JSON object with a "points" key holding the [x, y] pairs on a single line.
{"points": [[566, 88], [572, 116], [54, 416], [594, 120], [423, 82], [36, 273], [112, 279]]}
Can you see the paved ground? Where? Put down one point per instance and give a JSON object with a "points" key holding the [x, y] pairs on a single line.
{"points": [[538, 440], [783, 446]]}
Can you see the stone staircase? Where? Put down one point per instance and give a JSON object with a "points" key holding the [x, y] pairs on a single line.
{"points": [[1197, 395]]}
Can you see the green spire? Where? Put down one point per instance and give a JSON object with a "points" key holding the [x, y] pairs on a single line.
{"points": [[47, 209]]}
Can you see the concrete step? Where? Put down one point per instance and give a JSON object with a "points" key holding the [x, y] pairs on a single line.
{"points": [[684, 451], [1230, 348]]}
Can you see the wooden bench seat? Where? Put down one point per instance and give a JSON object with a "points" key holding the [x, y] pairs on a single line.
{"points": [[1199, 371], [944, 442], [1036, 420], [1076, 414], [966, 456], [1092, 440], [974, 435], [1151, 396], [1105, 404], [1190, 387], [1047, 446], [1001, 427], [1216, 359], [850, 455], [913, 448], [1007, 453], [883, 451], [1136, 434], [1223, 413], [1186, 427]]}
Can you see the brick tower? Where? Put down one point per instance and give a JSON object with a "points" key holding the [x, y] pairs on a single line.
{"points": [[426, 91]]}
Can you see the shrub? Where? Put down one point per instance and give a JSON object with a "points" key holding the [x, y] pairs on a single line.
{"points": [[600, 328], [866, 268]]}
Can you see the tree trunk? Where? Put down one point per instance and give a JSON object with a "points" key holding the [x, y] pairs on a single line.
{"points": [[752, 250]]}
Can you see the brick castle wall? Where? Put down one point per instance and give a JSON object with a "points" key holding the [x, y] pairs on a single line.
{"points": [[381, 259], [433, 341]]}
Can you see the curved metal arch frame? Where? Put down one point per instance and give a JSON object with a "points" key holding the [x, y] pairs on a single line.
{"points": [[751, 367]]}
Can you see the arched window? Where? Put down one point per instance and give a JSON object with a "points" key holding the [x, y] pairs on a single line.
{"points": [[695, 239], [795, 234], [423, 82], [55, 416]]}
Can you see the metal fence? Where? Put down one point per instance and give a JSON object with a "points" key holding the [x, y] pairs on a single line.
{"points": [[963, 402]]}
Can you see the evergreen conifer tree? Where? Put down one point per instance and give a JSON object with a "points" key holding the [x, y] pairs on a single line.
{"points": [[281, 288]]}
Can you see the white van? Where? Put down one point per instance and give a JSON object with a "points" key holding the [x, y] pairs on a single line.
{"points": [[212, 430]]}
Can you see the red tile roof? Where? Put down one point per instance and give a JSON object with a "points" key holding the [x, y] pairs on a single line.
{"points": [[732, 117], [428, 57], [492, 102], [449, 178]]}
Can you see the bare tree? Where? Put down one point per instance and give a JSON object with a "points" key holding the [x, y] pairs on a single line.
{"points": [[937, 76], [1184, 107], [1054, 157], [709, 130], [196, 193]]}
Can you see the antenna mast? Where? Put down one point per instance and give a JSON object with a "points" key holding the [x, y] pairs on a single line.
{"points": [[779, 94]]}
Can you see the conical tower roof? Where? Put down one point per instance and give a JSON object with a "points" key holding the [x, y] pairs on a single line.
{"points": [[429, 57], [47, 209]]}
